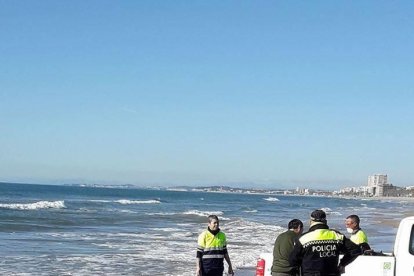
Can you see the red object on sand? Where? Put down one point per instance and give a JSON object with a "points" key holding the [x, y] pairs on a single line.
{"points": [[260, 266]]}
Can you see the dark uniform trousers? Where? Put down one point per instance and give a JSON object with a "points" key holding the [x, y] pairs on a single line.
{"points": [[320, 274], [284, 274]]}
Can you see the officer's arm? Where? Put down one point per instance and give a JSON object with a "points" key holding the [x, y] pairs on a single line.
{"points": [[200, 251], [295, 257], [364, 246], [351, 252]]}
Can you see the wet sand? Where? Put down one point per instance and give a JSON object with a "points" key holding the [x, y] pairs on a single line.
{"points": [[245, 272]]}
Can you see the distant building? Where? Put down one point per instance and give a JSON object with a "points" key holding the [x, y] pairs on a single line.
{"points": [[302, 191], [378, 185], [377, 180]]}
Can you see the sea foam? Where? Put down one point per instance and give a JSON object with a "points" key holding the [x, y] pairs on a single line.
{"points": [[271, 199], [127, 201], [203, 213], [35, 206]]}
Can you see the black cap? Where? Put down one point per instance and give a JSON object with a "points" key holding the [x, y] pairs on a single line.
{"points": [[318, 215]]}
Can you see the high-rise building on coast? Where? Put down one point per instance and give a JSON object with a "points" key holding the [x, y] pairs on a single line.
{"points": [[378, 185], [377, 180]]}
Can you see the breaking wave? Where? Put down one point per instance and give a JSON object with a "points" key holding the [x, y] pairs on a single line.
{"points": [[35, 206], [271, 199], [126, 201], [203, 213]]}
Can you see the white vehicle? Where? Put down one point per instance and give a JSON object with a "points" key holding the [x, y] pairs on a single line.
{"points": [[398, 263]]}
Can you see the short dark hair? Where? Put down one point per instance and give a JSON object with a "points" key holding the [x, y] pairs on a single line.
{"points": [[295, 223], [354, 218], [319, 216], [211, 217]]}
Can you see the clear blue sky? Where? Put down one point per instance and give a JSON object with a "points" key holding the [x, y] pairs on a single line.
{"points": [[245, 93]]}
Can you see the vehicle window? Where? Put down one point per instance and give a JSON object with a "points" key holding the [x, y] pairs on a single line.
{"points": [[412, 241]]}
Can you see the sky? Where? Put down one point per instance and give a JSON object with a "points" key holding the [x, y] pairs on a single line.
{"points": [[273, 94]]}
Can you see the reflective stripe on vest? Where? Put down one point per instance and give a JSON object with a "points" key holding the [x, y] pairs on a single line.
{"points": [[320, 237], [216, 256], [210, 244], [211, 249]]}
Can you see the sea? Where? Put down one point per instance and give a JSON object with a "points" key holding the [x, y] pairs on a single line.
{"points": [[84, 230]]}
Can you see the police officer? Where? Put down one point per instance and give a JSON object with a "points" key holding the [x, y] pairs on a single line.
{"points": [[317, 251]]}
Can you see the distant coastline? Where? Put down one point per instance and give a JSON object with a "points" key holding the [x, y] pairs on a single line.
{"points": [[289, 192], [228, 189]]}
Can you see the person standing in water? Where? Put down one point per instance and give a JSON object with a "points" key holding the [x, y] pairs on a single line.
{"points": [[212, 250]]}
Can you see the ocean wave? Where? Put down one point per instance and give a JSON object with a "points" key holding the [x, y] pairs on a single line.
{"points": [[329, 211], [271, 199], [203, 213], [250, 211], [165, 229], [127, 201], [261, 238], [190, 213], [161, 214], [35, 206], [177, 190], [326, 210]]}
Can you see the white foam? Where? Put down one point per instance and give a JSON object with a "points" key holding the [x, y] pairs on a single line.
{"points": [[244, 251], [177, 190], [326, 210], [271, 199], [250, 211], [161, 214], [127, 201], [203, 213], [166, 229], [247, 239], [186, 234], [127, 212], [335, 213], [35, 206], [330, 212]]}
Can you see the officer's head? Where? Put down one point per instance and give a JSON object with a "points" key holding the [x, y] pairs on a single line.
{"points": [[318, 216]]}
